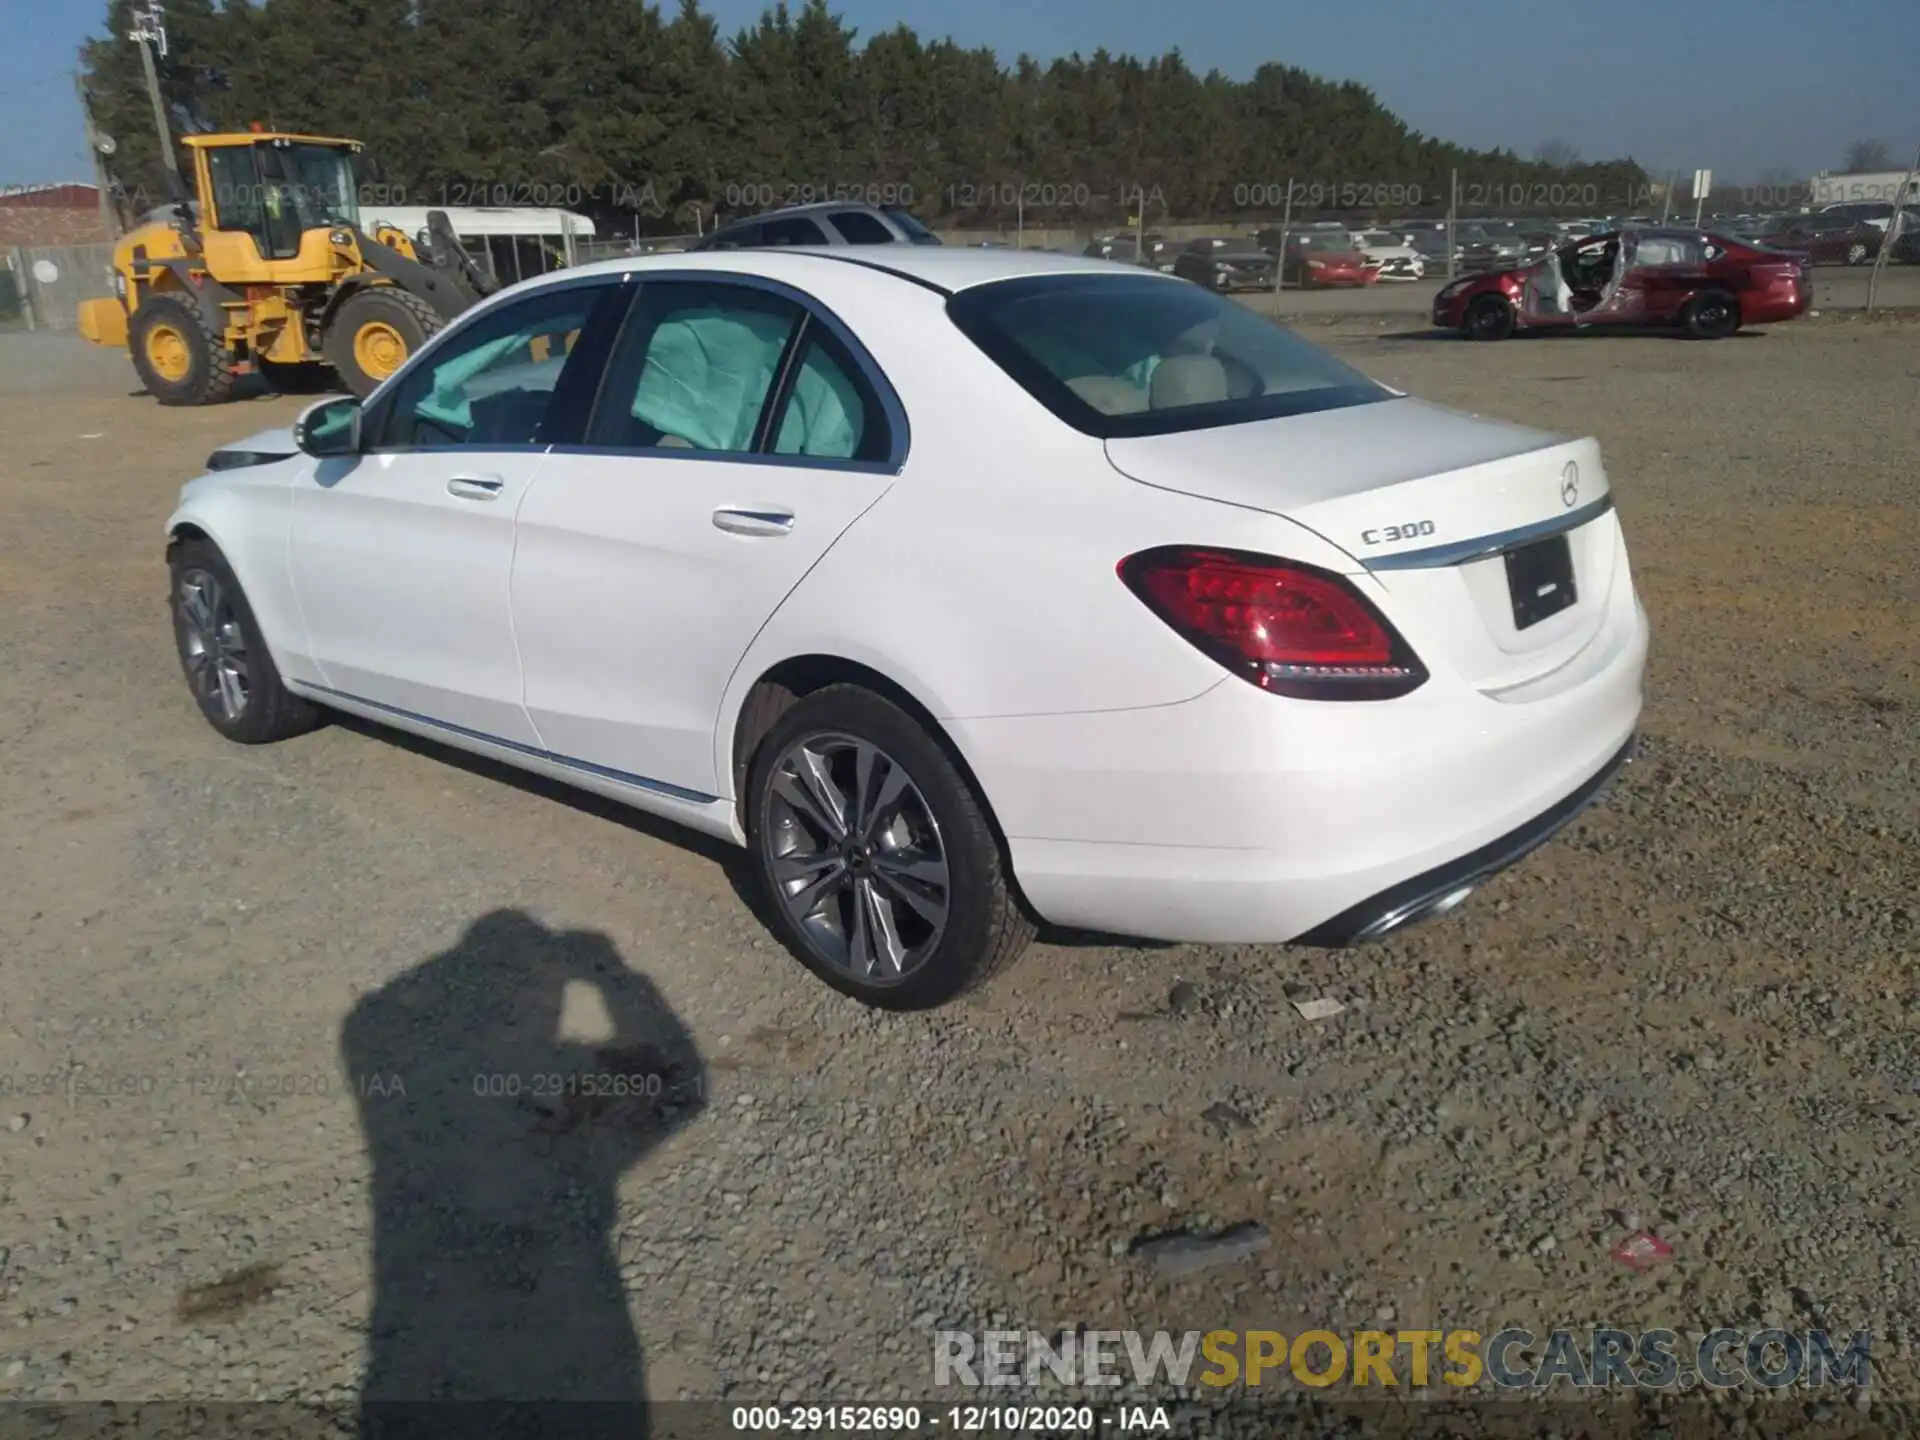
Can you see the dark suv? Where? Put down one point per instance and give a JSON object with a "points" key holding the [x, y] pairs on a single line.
{"points": [[828, 224]]}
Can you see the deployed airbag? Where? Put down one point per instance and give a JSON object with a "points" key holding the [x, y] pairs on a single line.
{"points": [[824, 415], [447, 403], [708, 373]]}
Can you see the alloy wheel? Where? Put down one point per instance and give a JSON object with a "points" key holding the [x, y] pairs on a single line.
{"points": [[213, 645], [856, 857]]}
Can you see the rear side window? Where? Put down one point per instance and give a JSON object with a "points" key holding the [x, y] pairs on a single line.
{"points": [[859, 228], [797, 230], [1123, 355], [831, 413], [694, 368]]}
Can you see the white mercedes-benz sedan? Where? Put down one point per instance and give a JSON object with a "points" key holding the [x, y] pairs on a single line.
{"points": [[966, 589]]}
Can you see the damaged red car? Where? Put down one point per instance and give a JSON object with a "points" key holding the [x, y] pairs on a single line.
{"points": [[1707, 286]]}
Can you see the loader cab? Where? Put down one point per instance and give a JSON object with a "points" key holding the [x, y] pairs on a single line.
{"points": [[268, 203]]}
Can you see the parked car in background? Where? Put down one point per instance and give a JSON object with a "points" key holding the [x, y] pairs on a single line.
{"points": [[1151, 249], [1828, 239], [1707, 285], [1326, 258], [1878, 214], [828, 224], [1430, 246], [1391, 255], [1225, 263], [1484, 247], [625, 526]]}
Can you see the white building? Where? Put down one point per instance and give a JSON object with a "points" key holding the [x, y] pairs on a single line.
{"points": [[1881, 187]]}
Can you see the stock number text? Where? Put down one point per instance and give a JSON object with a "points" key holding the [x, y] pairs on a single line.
{"points": [[1326, 194], [766, 194], [886, 1419]]}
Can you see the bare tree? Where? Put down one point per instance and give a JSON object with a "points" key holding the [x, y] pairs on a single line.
{"points": [[1560, 154], [1867, 155]]}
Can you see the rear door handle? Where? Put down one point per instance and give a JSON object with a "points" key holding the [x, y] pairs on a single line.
{"points": [[739, 520], [474, 487]]}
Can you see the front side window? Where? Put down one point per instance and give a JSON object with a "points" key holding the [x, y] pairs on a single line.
{"points": [[493, 383], [238, 200], [1122, 355], [694, 368]]}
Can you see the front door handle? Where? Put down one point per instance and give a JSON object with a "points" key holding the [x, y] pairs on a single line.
{"points": [[758, 520], [474, 487]]}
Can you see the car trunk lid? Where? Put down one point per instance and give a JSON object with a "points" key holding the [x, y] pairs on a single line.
{"points": [[1430, 503]]}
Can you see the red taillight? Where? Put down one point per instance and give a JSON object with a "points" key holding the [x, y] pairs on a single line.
{"points": [[1289, 628]]}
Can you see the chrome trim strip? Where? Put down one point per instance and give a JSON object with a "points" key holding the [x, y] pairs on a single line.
{"points": [[1459, 552], [586, 767]]}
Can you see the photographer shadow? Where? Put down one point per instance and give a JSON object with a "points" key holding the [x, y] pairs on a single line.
{"points": [[498, 1139]]}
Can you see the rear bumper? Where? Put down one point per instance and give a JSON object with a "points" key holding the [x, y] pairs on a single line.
{"points": [[1240, 817], [1440, 889]]}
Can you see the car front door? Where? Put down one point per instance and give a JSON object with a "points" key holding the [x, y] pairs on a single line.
{"points": [[402, 555], [737, 434], [1625, 303]]}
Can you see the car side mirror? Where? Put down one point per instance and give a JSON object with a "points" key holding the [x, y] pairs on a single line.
{"points": [[329, 428]]}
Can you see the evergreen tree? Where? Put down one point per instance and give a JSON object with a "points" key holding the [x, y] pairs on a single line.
{"points": [[629, 114]]}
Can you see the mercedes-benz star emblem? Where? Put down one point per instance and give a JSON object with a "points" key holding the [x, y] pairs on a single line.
{"points": [[1570, 485]]}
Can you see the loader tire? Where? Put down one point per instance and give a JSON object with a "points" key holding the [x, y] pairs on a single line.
{"points": [[178, 359], [374, 333]]}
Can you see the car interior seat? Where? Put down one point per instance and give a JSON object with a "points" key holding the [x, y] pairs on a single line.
{"points": [[1181, 380]]}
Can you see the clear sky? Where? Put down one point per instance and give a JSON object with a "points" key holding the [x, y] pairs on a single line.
{"points": [[1740, 86]]}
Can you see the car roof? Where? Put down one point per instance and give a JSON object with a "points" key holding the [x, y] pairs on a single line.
{"points": [[817, 207], [950, 268]]}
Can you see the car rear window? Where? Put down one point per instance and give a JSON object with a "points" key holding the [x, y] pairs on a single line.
{"points": [[1120, 355]]}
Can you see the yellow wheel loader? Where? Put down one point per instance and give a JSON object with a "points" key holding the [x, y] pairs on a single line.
{"points": [[267, 269]]}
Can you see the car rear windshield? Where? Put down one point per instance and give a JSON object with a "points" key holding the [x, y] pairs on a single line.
{"points": [[1121, 355]]}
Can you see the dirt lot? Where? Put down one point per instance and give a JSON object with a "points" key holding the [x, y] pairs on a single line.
{"points": [[264, 987]]}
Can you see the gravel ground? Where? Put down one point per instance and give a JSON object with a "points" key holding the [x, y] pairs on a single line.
{"points": [[267, 984]]}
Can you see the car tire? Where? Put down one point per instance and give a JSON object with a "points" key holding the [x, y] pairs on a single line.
{"points": [[1711, 315], [1489, 317], [223, 655], [920, 873], [376, 331], [1857, 253], [179, 360]]}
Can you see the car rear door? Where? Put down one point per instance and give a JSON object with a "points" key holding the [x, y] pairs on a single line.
{"points": [[401, 556], [738, 433]]}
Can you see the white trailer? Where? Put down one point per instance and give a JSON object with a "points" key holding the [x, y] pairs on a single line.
{"points": [[509, 241]]}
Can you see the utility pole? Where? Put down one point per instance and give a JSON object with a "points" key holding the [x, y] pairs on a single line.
{"points": [[150, 33], [1896, 226], [109, 215]]}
